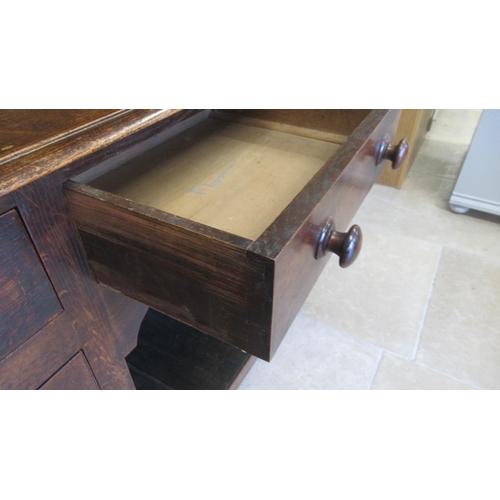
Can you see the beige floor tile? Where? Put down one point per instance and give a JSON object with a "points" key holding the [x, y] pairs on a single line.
{"points": [[398, 373], [420, 210], [440, 158], [313, 356], [382, 298], [461, 334], [454, 125]]}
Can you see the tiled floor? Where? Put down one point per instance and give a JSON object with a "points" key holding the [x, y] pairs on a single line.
{"points": [[420, 308]]}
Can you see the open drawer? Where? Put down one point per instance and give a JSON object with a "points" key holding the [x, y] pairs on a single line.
{"points": [[220, 224]]}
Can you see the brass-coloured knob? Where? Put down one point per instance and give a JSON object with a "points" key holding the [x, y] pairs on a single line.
{"points": [[396, 154], [346, 245]]}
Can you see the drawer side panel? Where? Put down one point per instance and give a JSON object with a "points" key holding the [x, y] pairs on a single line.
{"points": [[198, 279]]}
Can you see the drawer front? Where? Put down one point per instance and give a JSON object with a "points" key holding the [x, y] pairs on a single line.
{"points": [[35, 361], [241, 291], [75, 375], [296, 268], [26, 294]]}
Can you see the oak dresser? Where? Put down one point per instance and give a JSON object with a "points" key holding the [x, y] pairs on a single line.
{"points": [[138, 245]]}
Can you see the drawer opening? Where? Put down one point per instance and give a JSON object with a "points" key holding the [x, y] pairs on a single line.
{"points": [[233, 173]]}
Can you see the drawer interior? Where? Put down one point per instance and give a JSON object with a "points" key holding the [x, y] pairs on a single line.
{"points": [[232, 173]]}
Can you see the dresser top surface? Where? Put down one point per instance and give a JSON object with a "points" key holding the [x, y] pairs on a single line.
{"points": [[24, 130], [36, 142]]}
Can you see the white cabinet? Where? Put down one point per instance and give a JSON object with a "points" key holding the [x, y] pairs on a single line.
{"points": [[478, 185]]}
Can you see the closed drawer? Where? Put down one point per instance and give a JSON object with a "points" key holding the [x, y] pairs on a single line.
{"points": [[28, 301], [218, 225]]}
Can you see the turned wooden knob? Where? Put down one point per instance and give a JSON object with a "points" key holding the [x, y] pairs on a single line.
{"points": [[396, 154], [346, 245]]}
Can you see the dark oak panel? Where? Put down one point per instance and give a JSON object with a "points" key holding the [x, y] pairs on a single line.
{"points": [[74, 375], [31, 364], [23, 130], [48, 219], [6, 203], [337, 121], [81, 150], [27, 299]]}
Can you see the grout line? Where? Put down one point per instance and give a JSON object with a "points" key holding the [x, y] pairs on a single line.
{"points": [[388, 351], [376, 369], [426, 310], [449, 376]]}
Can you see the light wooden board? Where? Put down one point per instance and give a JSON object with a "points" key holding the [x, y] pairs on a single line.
{"points": [[234, 177], [412, 126]]}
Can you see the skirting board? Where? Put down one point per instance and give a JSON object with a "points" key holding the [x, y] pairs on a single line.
{"points": [[475, 203]]}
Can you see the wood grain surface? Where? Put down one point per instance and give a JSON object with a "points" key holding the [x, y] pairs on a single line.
{"points": [[24, 130], [35, 361], [412, 126], [204, 278], [340, 122], [47, 216], [28, 301], [233, 177], [6, 203], [63, 151], [74, 375], [337, 191], [126, 315]]}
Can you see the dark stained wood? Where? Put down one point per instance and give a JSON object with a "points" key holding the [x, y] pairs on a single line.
{"points": [[242, 292], [90, 144], [338, 121], [126, 314], [74, 375], [29, 366], [166, 125], [337, 191], [145, 382], [395, 153], [345, 245], [171, 355], [242, 373], [351, 168], [46, 214], [27, 299], [204, 278], [6, 203], [24, 130]]}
